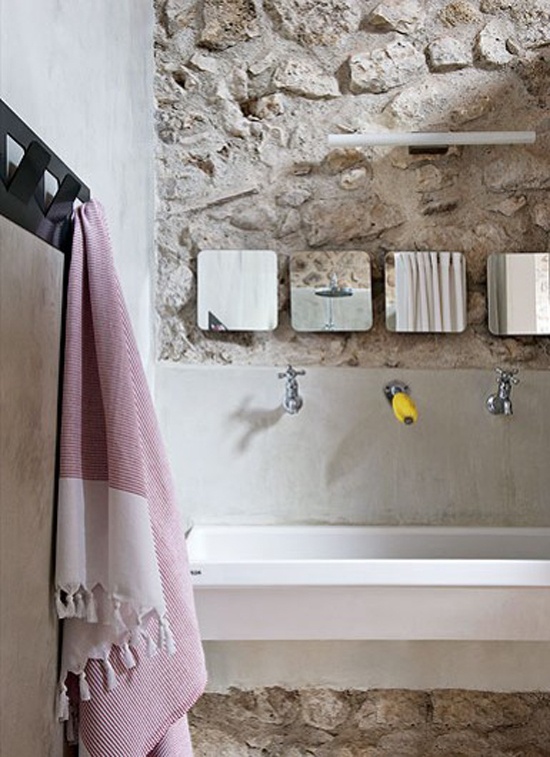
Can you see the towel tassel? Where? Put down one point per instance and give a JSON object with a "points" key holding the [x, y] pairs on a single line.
{"points": [[63, 703], [127, 656], [80, 607], [59, 606], [117, 615], [69, 606], [110, 673], [85, 695], [71, 732], [91, 608]]}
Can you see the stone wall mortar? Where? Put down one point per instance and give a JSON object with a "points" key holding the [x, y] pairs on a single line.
{"points": [[275, 722], [247, 91]]}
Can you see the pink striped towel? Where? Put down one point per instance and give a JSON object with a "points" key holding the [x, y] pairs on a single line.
{"points": [[132, 661]]}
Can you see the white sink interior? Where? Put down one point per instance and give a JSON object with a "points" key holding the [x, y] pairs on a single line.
{"points": [[239, 544]]}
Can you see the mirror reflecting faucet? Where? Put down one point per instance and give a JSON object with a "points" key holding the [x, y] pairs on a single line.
{"points": [[500, 403]]}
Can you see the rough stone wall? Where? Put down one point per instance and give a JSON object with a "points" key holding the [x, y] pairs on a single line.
{"points": [[247, 92], [326, 723]]}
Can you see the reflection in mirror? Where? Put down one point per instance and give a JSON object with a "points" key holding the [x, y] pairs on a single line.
{"points": [[331, 291], [425, 291], [237, 290], [519, 293]]}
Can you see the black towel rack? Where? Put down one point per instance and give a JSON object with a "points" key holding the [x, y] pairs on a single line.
{"points": [[22, 192]]}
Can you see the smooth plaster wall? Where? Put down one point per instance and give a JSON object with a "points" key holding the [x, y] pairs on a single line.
{"points": [[237, 457], [31, 276], [420, 665], [80, 75]]}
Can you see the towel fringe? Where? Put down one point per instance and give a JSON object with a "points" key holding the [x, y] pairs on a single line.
{"points": [[72, 727], [80, 605], [70, 609], [84, 689], [91, 607], [127, 656], [59, 606], [63, 703], [117, 615], [109, 673]]}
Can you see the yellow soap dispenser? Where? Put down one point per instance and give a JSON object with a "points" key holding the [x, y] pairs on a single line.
{"points": [[404, 408]]}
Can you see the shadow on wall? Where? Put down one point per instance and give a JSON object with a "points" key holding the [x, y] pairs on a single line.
{"points": [[252, 422]]}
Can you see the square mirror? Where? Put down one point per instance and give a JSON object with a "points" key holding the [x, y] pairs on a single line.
{"points": [[425, 292], [331, 291], [237, 290], [518, 287]]}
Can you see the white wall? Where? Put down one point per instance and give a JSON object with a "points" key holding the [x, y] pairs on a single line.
{"points": [[80, 75]]}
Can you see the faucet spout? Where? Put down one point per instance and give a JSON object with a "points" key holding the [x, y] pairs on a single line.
{"points": [[507, 407]]}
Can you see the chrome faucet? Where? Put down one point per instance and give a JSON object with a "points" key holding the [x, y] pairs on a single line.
{"points": [[500, 403], [292, 402]]}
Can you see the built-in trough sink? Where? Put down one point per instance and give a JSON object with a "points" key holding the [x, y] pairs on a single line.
{"points": [[362, 582]]}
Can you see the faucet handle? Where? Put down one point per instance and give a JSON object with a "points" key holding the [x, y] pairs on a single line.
{"points": [[510, 376], [291, 373]]}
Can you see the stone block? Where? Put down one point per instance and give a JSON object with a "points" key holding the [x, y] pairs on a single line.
{"points": [[343, 159], [268, 106], [404, 16], [541, 214], [227, 22], [175, 287], [459, 12], [448, 54], [311, 22], [329, 222], [490, 45], [353, 179], [208, 742], [510, 206], [385, 68], [324, 709], [305, 78], [516, 172], [465, 744], [401, 708], [482, 711]]}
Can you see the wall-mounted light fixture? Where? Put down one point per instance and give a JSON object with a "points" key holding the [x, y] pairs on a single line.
{"points": [[427, 141]]}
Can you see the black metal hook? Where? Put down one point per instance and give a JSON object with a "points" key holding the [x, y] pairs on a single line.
{"points": [[22, 196], [29, 172]]}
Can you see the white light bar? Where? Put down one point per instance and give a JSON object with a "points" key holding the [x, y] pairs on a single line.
{"points": [[432, 139]]}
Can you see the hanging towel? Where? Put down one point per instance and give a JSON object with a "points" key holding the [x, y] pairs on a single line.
{"points": [[132, 662]]}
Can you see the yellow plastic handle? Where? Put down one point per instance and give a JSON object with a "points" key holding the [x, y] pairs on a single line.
{"points": [[404, 408]]}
